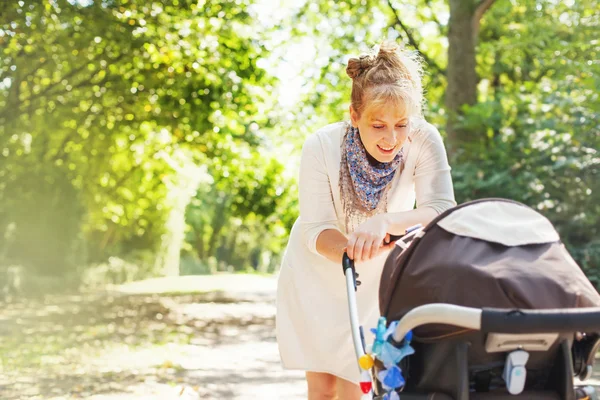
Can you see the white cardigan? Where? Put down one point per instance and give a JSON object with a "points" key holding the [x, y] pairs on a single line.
{"points": [[313, 327]]}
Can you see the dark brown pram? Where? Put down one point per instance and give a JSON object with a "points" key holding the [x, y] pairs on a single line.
{"points": [[496, 306]]}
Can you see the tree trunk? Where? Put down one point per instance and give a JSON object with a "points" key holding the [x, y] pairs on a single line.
{"points": [[181, 189], [496, 88], [230, 248], [461, 75], [218, 222], [200, 247], [463, 29]]}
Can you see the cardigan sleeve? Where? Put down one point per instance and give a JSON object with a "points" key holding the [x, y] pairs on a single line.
{"points": [[433, 182], [317, 210]]}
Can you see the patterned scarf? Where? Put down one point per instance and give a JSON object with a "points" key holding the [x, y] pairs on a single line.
{"points": [[364, 183]]}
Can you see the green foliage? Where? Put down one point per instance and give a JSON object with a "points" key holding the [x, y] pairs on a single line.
{"points": [[538, 119], [245, 214], [105, 105], [92, 95]]}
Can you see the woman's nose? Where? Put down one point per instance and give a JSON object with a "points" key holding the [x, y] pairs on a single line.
{"points": [[391, 136]]}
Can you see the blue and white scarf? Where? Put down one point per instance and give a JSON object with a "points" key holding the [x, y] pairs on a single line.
{"points": [[364, 181]]}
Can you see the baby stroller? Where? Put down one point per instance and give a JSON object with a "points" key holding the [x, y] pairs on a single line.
{"points": [[495, 305]]}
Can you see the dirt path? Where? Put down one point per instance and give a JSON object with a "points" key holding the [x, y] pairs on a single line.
{"points": [[216, 345], [149, 340]]}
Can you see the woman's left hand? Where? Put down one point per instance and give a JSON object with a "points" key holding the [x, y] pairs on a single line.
{"points": [[369, 239]]}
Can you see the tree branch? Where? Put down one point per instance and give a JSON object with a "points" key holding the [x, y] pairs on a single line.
{"points": [[33, 96], [47, 91], [480, 9], [483, 6], [413, 42], [68, 137], [130, 173]]}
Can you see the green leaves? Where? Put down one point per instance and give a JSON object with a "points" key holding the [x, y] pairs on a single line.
{"points": [[99, 99], [93, 92]]}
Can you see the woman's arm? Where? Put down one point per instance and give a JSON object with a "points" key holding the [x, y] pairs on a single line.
{"points": [[331, 244], [317, 211], [399, 222]]}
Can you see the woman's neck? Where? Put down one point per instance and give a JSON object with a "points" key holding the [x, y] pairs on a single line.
{"points": [[373, 161]]}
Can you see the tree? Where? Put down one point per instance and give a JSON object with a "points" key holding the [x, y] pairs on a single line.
{"points": [[463, 31], [91, 92]]}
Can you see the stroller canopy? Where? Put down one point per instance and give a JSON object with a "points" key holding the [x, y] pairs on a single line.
{"points": [[486, 253]]}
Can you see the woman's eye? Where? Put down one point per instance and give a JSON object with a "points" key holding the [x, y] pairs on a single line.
{"points": [[378, 126], [402, 126]]}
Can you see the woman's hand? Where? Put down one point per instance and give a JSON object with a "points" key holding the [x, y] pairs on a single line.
{"points": [[369, 239]]}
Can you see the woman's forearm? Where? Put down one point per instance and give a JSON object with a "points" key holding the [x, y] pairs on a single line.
{"points": [[331, 244], [399, 222]]}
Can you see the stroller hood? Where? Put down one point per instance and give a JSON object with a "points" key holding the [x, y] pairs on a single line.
{"points": [[486, 253]]}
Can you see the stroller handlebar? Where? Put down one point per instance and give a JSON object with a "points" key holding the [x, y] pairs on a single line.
{"points": [[564, 320], [447, 314], [395, 238], [494, 320]]}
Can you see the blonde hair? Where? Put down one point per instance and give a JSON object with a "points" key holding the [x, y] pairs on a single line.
{"points": [[388, 74]]}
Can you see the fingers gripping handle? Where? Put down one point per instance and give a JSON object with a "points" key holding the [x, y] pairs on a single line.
{"points": [[347, 263]]}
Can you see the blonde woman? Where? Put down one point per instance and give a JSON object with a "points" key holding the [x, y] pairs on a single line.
{"points": [[359, 182]]}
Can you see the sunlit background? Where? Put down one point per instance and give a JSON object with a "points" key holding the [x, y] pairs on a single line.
{"points": [[144, 139]]}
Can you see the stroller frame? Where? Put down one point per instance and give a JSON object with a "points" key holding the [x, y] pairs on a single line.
{"points": [[518, 324]]}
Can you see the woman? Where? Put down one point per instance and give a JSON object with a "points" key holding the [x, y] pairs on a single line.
{"points": [[358, 183]]}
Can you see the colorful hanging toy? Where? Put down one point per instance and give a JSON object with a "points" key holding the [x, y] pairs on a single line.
{"points": [[390, 356]]}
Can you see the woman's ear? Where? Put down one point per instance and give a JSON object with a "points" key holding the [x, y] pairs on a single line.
{"points": [[354, 117]]}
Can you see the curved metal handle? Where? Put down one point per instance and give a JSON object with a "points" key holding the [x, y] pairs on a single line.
{"points": [[438, 313]]}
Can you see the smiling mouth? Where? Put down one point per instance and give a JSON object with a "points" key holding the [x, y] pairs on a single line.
{"points": [[386, 149]]}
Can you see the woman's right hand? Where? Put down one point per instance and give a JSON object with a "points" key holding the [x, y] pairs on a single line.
{"points": [[369, 240]]}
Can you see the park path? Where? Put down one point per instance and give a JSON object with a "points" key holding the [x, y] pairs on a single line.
{"points": [[218, 343]]}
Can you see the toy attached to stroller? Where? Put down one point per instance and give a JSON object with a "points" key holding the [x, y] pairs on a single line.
{"points": [[484, 302]]}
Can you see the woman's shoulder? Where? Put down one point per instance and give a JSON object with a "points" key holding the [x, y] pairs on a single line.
{"points": [[426, 141], [331, 132], [423, 130], [425, 137], [328, 136]]}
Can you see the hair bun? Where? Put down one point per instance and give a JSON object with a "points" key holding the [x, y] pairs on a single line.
{"points": [[388, 49], [388, 73], [357, 66]]}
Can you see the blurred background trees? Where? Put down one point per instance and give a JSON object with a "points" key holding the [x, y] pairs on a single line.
{"points": [[140, 139]]}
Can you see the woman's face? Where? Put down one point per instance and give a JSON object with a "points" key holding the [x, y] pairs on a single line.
{"points": [[383, 130]]}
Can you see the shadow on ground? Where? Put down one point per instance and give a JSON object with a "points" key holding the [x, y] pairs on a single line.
{"points": [[142, 347]]}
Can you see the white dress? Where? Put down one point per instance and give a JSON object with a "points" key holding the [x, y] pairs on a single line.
{"points": [[313, 325]]}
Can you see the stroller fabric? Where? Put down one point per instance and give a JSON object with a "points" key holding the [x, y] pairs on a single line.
{"points": [[487, 253]]}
